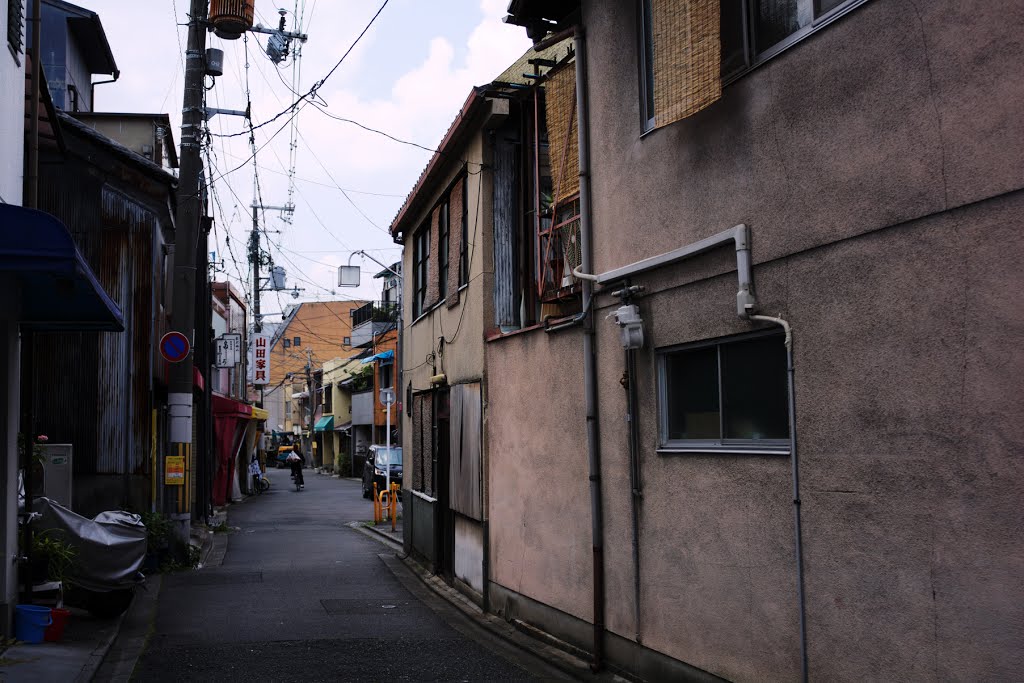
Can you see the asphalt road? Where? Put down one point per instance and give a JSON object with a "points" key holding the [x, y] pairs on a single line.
{"points": [[302, 596]]}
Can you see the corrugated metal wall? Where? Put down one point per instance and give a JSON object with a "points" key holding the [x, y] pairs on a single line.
{"points": [[506, 304], [95, 390]]}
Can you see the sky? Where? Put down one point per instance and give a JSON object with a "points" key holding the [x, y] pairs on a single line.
{"points": [[408, 76]]}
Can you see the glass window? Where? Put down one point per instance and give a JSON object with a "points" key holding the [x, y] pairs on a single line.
{"points": [[748, 29], [297, 341], [381, 457], [732, 392], [754, 391], [826, 6], [692, 382], [421, 269]]}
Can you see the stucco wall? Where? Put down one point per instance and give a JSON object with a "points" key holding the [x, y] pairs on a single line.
{"points": [[896, 111], [538, 489], [848, 156], [461, 325]]}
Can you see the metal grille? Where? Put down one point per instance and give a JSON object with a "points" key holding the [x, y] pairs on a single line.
{"points": [[15, 22]]}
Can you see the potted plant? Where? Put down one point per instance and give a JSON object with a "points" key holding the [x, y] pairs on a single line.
{"points": [[52, 557]]}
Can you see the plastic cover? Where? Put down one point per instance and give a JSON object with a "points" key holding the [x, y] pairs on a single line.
{"points": [[110, 547]]}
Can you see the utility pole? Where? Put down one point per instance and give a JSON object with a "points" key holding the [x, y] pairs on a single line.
{"points": [[179, 398], [255, 257]]}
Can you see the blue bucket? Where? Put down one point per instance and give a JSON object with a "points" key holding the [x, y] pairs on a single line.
{"points": [[30, 622]]}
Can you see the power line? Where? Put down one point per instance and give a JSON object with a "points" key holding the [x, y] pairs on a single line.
{"points": [[304, 99]]}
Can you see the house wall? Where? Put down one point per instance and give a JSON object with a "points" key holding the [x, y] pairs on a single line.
{"points": [[461, 359], [387, 342], [320, 325], [117, 214], [538, 496], [12, 121], [882, 188]]}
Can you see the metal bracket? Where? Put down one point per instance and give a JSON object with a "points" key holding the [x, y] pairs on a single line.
{"points": [[210, 112]]}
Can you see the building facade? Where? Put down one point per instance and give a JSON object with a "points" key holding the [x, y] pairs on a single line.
{"points": [[825, 165], [311, 333]]}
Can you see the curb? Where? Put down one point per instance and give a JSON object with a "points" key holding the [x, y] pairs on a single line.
{"points": [[119, 663], [522, 637], [96, 657]]}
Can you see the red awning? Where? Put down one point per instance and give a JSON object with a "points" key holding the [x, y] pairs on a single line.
{"points": [[230, 418], [222, 405], [197, 379]]}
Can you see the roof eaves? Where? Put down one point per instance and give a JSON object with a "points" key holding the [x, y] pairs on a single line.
{"points": [[454, 135], [66, 120]]}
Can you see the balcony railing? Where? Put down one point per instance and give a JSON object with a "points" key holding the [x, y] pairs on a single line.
{"points": [[376, 312]]}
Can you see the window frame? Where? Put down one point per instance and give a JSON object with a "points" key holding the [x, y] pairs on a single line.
{"points": [[444, 233], [721, 445], [753, 59], [463, 247], [296, 342], [645, 36], [390, 373], [420, 269]]}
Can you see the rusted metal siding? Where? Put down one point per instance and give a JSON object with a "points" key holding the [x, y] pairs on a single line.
{"points": [[95, 390]]}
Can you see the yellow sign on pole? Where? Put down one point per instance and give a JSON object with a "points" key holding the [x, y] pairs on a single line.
{"points": [[174, 470]]}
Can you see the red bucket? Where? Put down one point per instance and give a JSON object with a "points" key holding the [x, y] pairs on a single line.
{"points": [[55, 631]]}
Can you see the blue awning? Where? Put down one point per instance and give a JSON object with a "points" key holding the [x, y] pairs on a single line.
{"points": [[383, 355], [58, 289], [324, 424]]}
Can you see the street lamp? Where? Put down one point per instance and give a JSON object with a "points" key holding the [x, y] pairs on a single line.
{"points": [[348, 276]]}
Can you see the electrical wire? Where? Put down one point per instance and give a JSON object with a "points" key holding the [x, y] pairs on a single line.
{"points": [[304, 99], [472, 244]]}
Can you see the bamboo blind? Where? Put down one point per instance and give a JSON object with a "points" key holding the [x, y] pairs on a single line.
{"points": [[687, 57], [563, 141]]}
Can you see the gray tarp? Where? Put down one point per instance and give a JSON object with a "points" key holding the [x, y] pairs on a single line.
{"points": [[110, 547]]}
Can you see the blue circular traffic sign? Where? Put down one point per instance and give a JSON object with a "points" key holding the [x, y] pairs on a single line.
{"points": [[174, 346]]}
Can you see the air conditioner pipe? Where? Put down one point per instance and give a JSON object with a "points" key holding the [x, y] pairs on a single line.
{"points": [[795, 463], [746, 302]]}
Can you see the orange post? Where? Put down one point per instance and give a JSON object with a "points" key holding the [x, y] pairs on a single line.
{"points": [[376, 505], [393, 499]]}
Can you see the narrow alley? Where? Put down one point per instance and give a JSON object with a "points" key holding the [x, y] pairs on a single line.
{"points": [[301, 595]]}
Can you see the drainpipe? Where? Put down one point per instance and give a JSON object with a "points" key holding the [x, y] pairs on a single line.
{"points": [[795, 462], [589, 354], [635, 482], [92, 91]]}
